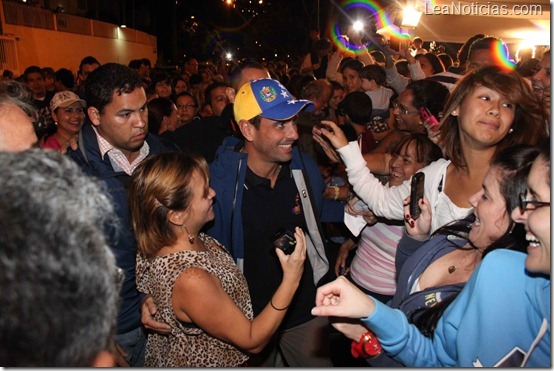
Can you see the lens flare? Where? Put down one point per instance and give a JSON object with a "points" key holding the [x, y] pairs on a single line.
{"points": [[379, 15], [500, 56]]}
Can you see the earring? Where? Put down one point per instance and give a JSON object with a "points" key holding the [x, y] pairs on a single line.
{"points": [[191, 237], [511, 130]]}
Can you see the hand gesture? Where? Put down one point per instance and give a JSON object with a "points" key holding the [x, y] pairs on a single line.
{"points": [[326, 146], [333, 133], [293, 264], [341, 298], [147, 311], [419, 228]]}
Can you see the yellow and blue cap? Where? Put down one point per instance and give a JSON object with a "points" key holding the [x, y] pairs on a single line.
{"points": [[267, 98]]}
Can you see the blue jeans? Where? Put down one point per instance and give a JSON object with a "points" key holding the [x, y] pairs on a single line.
{"points": [[133, 344]]}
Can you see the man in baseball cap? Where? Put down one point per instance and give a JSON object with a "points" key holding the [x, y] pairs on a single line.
{"points": [[263, 183], [269, 99]]}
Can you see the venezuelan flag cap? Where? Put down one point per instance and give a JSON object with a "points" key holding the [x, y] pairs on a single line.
{"points": [[269, 99]]}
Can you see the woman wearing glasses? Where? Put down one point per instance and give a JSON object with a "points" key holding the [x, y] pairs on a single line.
{"points": [[187, 109], [489, 110], [502, 316], [432, 271]]}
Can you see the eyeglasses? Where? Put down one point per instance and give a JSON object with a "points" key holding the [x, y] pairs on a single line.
{"points": [[186, 106], [524, 203], [403, 109]]}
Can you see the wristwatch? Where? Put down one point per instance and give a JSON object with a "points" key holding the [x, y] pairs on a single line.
{"points": [[367, 347]]}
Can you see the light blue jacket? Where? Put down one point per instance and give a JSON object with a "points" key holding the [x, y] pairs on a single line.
{"points": [[501, 318]]}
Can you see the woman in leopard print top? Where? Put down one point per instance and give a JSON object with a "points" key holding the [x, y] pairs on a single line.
{"points": [[198, 289]]}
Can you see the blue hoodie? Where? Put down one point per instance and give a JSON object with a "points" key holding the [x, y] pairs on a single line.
{"points": [[227, 177]]}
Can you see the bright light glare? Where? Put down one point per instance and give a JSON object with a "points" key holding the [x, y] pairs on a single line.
{"points": [[229, 2], [358, 26], [229, 56], [411, 17]]}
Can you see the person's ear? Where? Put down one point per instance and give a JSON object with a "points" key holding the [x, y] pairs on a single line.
{"points": [[103, 359], [94, 115], [177, 217], [246, 128], [455, 111]]}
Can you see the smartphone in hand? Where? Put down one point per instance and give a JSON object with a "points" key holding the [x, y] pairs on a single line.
{"points": [[432, 123], [416, 194]]}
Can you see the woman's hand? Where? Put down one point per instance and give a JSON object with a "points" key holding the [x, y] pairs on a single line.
{"points": [[293, 264], [352, 329], [340, 265], [341, 298], [352, 208], [333, 133], [419, 228], [327, 148]]}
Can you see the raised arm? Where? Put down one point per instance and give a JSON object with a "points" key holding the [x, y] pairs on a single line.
{"points": [[398, 338], [228, 322], [383, 201]]}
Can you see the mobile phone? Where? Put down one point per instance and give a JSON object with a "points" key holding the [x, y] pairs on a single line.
{"points": [[432, 123], [416, 194], [284, 240]]}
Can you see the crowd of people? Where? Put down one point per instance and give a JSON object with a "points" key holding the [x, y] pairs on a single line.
{"points": [[153, 213]]}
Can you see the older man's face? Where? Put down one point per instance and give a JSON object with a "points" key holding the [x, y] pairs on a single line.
{"points": [[17, 132]]}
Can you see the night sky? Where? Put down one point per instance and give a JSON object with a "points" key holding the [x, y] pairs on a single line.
{"points": [[246, 29]]}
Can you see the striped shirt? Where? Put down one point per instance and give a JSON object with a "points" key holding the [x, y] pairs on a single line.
{"points": [[373, 267]]}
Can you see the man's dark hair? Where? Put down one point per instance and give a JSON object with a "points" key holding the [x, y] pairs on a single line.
{"points": [[49, 72], [214, 85], [158, 75], [88, 60], [7, 74], [463, 52], [66, 77], [32, 69], [357, 105], [107, 79], [146, 62], [430, 94], [135, 64], [373, 72]]}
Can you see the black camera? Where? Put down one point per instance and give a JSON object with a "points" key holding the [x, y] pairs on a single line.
{"points": [[284, 240]]}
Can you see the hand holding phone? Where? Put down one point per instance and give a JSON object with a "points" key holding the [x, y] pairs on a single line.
{"points": [[431, 123], [284, 240], [416, 194]]}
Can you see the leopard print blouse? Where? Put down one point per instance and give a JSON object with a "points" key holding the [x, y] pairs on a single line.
{"points": [[188, 345]]}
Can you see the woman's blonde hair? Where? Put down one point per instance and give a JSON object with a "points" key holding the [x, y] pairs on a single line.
{"points": [[159, 184]]}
